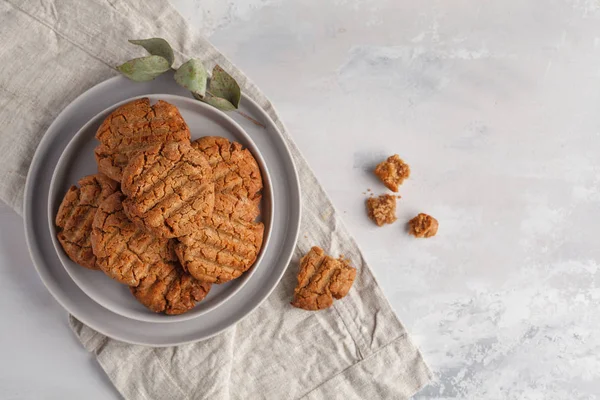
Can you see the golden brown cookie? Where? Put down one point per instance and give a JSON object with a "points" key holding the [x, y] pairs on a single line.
{"points": [[169, 189], [423, 226], [132, 128], [382, 209], [124, 251], [238, 182], [76, 215], [393, 172], [221, 250], [321, 279], [168, 289]]}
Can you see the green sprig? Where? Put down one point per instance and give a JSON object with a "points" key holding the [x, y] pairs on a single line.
{"points": [[220, 90]]}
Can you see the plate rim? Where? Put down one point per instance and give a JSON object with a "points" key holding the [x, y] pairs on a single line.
{"points": [[157, 317], [52, 286]]}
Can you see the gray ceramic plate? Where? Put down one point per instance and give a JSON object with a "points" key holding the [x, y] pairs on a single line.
{"points": [[285, 220], [78, 160]]}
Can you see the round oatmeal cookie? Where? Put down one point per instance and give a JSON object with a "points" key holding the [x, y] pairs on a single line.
{"points": [[169, 189], [133, 127], [237, 178], [221, 250], [170, 290], [124, 251], [76, 215]]}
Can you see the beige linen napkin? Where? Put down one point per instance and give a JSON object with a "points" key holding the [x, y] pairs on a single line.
{"points": [[54, 50]]}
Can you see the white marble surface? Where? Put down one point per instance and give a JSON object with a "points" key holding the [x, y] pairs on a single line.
{"points": [[495, 106]]}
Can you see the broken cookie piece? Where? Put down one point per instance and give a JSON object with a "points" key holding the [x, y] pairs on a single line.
{"points": [[321, 279], [392, 172], [382, 209], [423, 226]]}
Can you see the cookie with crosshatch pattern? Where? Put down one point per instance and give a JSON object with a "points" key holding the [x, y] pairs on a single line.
{"points": [[237, 177], [321, 279], [221, 250], [169, 189], [133, 127], [76, 215], [148, 264]]}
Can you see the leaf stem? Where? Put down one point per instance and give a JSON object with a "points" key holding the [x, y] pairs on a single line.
{"points": [[243, 114], [249, 118]]}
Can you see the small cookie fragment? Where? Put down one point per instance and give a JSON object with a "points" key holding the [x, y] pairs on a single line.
{"points": [[321, 279], [76, 215], [382, 209], [393, 172], [423, 226], [133, 127], [222, 249], [168, 289], [169, 189]]}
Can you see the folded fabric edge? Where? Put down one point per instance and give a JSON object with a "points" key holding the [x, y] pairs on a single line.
{"points": [[396, 371], [120, 365], [89, 338]]}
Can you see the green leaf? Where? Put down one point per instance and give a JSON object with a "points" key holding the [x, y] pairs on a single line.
{"points": [[224, 90], [192, 75], [218, 102], [144, 68], [157, 47]]}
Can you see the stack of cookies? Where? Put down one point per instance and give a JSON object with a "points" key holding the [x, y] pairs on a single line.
{"points": [[165, 216]]}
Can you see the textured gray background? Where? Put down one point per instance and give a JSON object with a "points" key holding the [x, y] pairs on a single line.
{"points": [[495, 106]]}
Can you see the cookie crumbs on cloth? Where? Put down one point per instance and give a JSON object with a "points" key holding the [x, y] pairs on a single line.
{"points": [[321, 279], [382, 209], [423, 226], [393, 172]]}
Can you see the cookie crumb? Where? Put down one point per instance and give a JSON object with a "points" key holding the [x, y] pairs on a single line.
{"points": [[368, 189], [382, 209], [393, 172], [423, 226]]}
